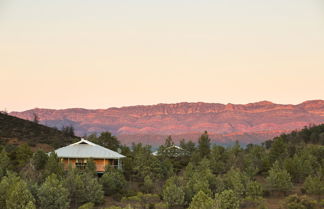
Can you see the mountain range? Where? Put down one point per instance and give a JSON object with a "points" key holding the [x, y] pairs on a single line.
{"points": [[253, 122]]}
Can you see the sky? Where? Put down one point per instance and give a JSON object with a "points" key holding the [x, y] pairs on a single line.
{"points": [[103, 53]]}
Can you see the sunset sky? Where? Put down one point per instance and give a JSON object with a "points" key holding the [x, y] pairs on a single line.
{"points": [[102, 53]]}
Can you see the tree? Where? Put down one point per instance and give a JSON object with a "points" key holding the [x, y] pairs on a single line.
{"points": [[39, 159], [113, 181], [299, 202], [314, 185], [14, 193], [19, 197], [201, 200], [6, 184], [23, 155], [106, 139], [173, 193], [93, 191], [278, 150], [236, 181], [204, 145], [35, 118], [4, 163], [279, 179], [91, 167], [53, 166], [254, 190], [52, 194], [88, 205], [300, 166], [148, 185], [75, 185], [227, 200]]}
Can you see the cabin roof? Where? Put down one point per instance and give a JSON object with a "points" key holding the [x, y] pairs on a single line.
{"points": [[87, 149]]}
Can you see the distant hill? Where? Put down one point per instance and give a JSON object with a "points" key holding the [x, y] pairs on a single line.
{"points": [[16, 131], [254, 122]]}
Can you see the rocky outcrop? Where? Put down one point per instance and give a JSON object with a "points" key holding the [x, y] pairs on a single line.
{"points": [[250, 122]]}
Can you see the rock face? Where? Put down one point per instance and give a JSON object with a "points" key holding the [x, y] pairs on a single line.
{"points": [[252, 122]]}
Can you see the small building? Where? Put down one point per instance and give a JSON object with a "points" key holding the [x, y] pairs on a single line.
{"points": [[78, 153], [171, 151]]}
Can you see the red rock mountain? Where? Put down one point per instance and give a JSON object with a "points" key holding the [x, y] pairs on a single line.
{"points": [[252, 122]]}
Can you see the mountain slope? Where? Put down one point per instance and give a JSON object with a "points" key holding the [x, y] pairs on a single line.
{"points": [[224, 122], [13, 129]]}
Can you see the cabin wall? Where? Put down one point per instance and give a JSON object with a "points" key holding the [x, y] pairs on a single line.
{"points": [[100, 163]]}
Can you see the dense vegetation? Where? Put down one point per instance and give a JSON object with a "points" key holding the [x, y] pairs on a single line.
{"points": [[24, 131], [288, 169]]}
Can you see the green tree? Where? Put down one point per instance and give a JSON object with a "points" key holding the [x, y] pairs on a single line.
{"points": [[173, 193], [88, 205], [23, 155], [113, 181], [299, 202], [314, 185], [91, 167], [93, 191], [148, 185], [39, 159], [201, 200], [204, 145], [19, 197], [300, 166], [75, 185], [53, 166], [106, 139], [227, 200], [14, 193], [279, 179], [6, 185], [254, 190], [52, 194], [4, 163], [278, 150]]}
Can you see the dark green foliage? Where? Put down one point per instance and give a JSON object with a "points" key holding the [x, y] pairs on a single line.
{"points": [[314, 185], [204, 145], [173, 193], [279, 179], [148, 185], [106, 139], [93, 190], [88, 205], [30, 132], [53, 166], [4, 163], [52, 194], [68, 131], [227, 200], [201, 200], [74, 184], [299, 202], [23, 155], [113, 182], [14, 193], [39, 159]]}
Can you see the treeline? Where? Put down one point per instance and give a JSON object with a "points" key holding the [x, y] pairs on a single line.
{"points": [[289, 168], [33, 133]]}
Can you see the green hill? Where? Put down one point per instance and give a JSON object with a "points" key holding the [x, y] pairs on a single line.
{"points": [[13, 129]]}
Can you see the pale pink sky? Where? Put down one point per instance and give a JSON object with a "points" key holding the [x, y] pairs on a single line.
{"points": [[100, 54]]}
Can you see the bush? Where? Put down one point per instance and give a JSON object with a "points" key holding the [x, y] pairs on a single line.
{"points": [[227, 200], [299, 202]]}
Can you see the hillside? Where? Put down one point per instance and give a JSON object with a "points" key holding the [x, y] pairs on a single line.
{"points": [[254, 122], [16, 130]]}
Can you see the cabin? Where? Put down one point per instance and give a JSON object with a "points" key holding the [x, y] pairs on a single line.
{"points": [[171, 151], [78, 153]]}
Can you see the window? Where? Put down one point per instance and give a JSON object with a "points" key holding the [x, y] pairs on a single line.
{"points": [[81, 164]]}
